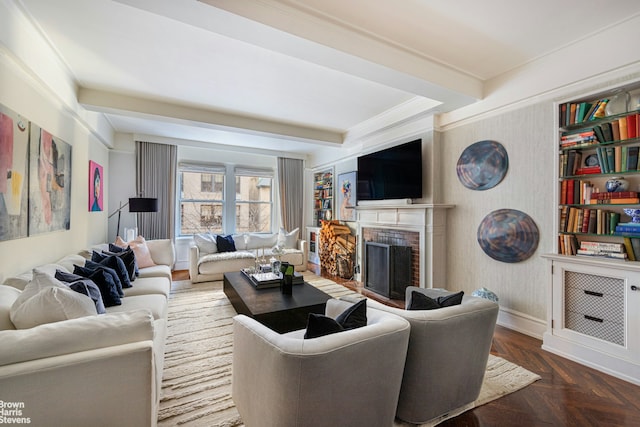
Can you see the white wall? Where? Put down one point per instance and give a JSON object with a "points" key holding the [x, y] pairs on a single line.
{"points": [[34, 85]]}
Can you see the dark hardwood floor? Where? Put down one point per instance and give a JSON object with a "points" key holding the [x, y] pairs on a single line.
{"points": [[569, 394]]}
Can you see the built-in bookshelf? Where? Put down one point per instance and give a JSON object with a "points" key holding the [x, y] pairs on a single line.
{"points": [[322, 196], [595, 273], [599, 175]]}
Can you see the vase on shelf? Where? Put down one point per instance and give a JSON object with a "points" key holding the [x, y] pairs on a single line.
{"points": [[634, 214], [617, 184]]}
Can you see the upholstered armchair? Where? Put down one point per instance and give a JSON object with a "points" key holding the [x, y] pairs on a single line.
{"points": [[447, 355], [350, 378]]}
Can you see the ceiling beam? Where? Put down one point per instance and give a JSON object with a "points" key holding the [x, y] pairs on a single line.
{"points": [[277, 27], [109, 102]]}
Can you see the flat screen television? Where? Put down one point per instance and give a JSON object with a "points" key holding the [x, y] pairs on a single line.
{"points": [[393, 173]]}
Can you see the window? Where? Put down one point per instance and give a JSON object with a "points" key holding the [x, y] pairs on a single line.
{"points": [[211, 194], [206, 183], [201, 199], [253, 200]]}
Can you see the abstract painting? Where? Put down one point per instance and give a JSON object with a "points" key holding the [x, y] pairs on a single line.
{"points": [[347, 196], [95, 187], [14, 158], [49, 182]]}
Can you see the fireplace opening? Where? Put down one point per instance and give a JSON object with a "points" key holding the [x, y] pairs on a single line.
{"points": [[387, 269]]}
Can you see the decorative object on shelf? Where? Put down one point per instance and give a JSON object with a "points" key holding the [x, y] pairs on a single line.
{"points": [[508, 235], [634, 214], [592, 160], [618, 104], [486, 294], [617, 184], [482, 165], [347, 196]]}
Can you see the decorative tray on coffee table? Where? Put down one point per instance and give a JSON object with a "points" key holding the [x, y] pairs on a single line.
{"points": [[270, 279]]}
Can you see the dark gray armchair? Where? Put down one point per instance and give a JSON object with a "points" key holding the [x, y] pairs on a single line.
{"points": [[447, 356]]}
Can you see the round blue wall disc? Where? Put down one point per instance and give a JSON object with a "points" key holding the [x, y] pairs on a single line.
{"points": [[482, 165], [508, 235]]}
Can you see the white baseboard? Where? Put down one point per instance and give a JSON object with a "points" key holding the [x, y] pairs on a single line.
{"points": [[522, 323]]}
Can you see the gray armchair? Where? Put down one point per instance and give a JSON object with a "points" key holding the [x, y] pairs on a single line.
{"points": [[447, 356], [351, 378]]}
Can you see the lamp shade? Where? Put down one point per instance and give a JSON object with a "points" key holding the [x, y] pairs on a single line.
{"points": [[143, 204]]}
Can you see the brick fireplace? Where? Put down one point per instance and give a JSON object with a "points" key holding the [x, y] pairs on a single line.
{"points": [[398, 238], [421, 227]]}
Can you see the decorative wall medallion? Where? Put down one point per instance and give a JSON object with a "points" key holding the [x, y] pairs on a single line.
{"points": [[508, 235], [482, 165]]}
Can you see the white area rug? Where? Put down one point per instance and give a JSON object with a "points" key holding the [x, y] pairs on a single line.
{"points": [[196, 389]]}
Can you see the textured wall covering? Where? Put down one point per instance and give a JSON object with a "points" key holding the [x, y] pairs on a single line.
{"points": [[528, 136]]}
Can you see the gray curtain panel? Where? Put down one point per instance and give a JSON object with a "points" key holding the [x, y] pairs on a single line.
{"points": [[156, 167], [291, 187]]}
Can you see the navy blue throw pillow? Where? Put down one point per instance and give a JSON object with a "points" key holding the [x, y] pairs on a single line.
{"points": [[420, 301], [353, 317], [319, 325], [104, 281], [225, 243], [116, 263], [114, 249], [128, 260], [83, 286], [90, 265], [449, 300]]}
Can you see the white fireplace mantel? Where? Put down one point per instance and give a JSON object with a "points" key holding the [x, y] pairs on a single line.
{"points": [[429, 220]]}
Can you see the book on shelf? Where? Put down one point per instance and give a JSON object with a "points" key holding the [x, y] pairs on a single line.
{"points": [[632, 158], [602, 157], [617, 158], [597, 130], [614, 255], [635, 244], [607, 131], [628, 229], [622, 125], [603, 195], [632, 125], [617, 201], [588, 170], [615, 130], [579, 138], [628, 247], [610, 158], [602, 246]]}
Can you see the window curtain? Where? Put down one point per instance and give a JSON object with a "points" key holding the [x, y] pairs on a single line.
{"points": [[291, 187], [156, 169]]}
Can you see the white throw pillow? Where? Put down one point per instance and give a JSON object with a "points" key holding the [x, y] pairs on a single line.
{"points": [[46, 300], [261, 241], [288, 240], [240, 241], [206, 243]]}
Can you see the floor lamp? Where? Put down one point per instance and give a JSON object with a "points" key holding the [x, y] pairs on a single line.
{"points": [[136, 204]]}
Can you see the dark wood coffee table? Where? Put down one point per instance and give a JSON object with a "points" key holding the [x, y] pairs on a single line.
{"points": [[282, 313]]}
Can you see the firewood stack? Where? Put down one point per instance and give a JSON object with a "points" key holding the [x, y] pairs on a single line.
{"points": [[337, 249]]}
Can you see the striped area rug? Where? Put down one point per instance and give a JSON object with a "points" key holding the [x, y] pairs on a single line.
{"points": [[196, 388]]}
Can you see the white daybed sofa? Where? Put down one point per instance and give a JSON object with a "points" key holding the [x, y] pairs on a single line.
{"points": [[96, 370], [207, 263]]}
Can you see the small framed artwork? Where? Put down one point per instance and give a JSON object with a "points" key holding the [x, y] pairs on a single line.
{"points": [[347, 196], [96, 178]]}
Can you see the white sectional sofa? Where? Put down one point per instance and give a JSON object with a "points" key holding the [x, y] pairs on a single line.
{"points": [[101, 369], [207, 263]]}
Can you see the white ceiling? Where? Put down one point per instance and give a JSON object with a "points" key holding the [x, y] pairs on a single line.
{"points": [[294, 75]]}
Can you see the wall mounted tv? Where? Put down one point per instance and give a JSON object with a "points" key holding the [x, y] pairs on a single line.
{"points": [[393, 173]]}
